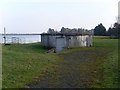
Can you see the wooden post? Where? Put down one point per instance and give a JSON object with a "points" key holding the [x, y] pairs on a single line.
{"points": [[4, 36]]}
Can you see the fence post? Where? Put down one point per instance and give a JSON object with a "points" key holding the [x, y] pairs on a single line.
{"points": [[4, 36]]}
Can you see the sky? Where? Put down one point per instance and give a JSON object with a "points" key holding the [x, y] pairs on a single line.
{"points": [[37, 16]]}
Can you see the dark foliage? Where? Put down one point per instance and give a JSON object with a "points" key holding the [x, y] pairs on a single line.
{"points": [[114, 31], [100, 30]]}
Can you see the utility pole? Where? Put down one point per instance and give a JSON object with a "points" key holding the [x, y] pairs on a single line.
{"points": [[118, 12], [4, 36]]}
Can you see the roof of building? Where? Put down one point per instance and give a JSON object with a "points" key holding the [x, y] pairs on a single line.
{"points": [[61, 34], [69, 32]]}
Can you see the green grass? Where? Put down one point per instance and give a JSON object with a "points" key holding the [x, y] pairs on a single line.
{"points": [[110, 65], [102, 37], [23, 64]]}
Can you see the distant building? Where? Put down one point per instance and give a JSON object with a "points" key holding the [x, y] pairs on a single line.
{"points": [[67, 38]]}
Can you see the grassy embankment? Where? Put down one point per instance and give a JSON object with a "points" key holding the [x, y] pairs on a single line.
{"points": [[23, 64]]}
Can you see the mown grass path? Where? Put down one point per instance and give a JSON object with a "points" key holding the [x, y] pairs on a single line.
{"points": [[77, 70]]}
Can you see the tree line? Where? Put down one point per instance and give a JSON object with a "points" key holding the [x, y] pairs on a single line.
{"points": [[113, 31], [99, 30]]}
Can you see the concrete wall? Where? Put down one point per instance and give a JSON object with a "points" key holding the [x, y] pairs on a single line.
{"points": [[70, 41], [60, 43], [44, 40], [89, 40], [49, 40], [78, 41]]}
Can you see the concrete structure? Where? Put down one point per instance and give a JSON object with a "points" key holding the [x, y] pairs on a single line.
{"points": [[61, 40]]}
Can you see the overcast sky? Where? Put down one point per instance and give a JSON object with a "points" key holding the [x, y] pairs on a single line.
{"points": [[36, 16]]}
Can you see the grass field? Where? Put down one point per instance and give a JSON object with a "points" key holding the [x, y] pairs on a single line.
{"points": [[24, 64], [110, 65]]}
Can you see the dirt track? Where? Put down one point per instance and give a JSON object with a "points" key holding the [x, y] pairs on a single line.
{"points": [[81, 69]]}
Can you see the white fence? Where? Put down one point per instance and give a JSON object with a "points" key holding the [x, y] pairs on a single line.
{"points": [[15, 40], [20, 39]]}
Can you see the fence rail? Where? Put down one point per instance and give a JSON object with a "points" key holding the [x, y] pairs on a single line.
{"points": [[21, 34]]}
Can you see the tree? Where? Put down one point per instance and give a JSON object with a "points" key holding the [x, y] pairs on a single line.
{"points": [[100, 30], [114, 31], [51, 30], [109, 32]]}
